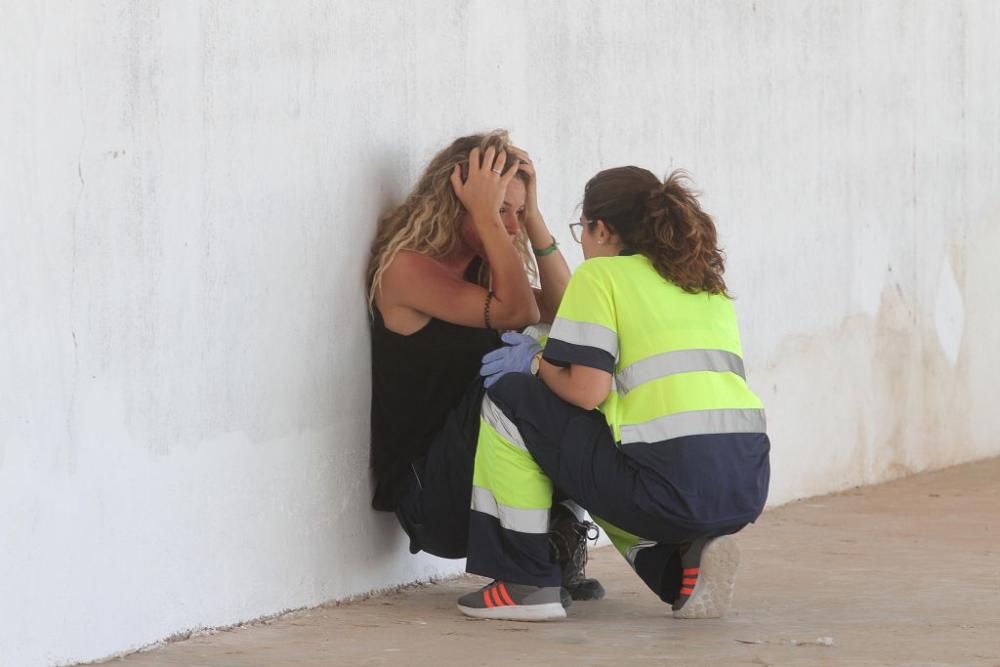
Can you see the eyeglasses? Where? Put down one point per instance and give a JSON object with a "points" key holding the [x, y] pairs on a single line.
{"points": [[576, 229]]}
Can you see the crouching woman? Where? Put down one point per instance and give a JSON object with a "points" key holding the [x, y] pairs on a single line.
{"points": [[674, 459]]}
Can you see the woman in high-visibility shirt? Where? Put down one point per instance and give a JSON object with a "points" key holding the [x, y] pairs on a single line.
{"points": [[675, 459]]}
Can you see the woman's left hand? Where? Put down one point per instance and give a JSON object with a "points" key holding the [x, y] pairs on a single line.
{"points": [[527, 167], [514, 357]]}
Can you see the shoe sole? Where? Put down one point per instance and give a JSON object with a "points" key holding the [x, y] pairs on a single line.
{"points": [[713, 593], [549, 611], [587, 591]]}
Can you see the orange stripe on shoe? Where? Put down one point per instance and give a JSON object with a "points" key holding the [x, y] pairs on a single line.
{"points": [[689, 582], [687, 591], [691, 571], [487, 600], [504, 595], [496, 597]]}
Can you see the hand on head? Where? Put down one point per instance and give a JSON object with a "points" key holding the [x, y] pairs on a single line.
{"points": [[482, 192], [527, 167]]}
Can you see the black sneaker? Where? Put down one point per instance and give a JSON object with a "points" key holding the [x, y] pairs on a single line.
{"points": [[568, 537]]}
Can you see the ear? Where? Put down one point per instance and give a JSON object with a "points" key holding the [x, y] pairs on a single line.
{"points": [[603, 231]]}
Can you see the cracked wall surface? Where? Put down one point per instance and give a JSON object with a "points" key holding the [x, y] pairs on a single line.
{"points": [[187, 192]]}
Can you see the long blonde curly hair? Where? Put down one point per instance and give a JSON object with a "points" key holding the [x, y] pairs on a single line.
{"points": [[427, 221]]}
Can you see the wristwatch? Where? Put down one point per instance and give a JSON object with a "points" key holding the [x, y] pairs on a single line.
{"points": [[536, 362]]}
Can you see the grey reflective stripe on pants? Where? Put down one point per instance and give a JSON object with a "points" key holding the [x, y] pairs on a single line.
{"points": [[522, 520], [634, 550], [696, 422], [678, 361], [495, 417], [585, 333]]}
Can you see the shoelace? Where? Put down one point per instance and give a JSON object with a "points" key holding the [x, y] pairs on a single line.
{"points": [[585, 530]]}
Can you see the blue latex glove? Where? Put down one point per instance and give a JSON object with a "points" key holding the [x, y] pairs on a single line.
{"points": [[515, 357]]}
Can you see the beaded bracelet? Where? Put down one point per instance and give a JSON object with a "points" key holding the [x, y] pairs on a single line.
{"points": [[486, 309], [548, 250]]}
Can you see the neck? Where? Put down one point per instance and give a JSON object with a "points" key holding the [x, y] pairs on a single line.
{"points": [[458, 260]]}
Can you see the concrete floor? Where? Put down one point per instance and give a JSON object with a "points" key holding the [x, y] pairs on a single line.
{"points": [[905, 573]]}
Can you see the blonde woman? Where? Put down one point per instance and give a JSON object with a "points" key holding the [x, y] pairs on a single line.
{"points": [[450, 268]]}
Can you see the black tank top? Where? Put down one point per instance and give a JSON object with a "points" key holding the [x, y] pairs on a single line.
{"points": [[416, 381]]}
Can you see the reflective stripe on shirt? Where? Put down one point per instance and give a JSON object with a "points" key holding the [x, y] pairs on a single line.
{"points": [[585, 333], [695, 422], [677, 361]]}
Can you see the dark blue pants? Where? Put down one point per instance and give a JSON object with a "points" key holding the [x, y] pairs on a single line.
{"points": [[434, 509], [576, 449]]}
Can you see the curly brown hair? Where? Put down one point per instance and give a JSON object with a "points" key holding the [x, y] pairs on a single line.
{"points": [[663, 221]]}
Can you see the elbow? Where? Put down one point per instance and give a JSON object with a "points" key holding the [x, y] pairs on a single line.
{"points": [[591, 395], [590, 402], [516, 318], [532, 314], [588, 397], [581, 386]]}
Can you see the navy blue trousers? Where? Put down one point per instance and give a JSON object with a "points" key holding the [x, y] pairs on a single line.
{"points": [[434, 508], [576, 450]]}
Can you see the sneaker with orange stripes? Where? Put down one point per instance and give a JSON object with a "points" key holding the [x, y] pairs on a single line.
{"points": [[708, 578], [513, 602]]}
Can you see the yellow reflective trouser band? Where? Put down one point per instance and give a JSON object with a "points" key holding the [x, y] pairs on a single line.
{"points": [[628, 545], [695, 422], [678, 361], [506, 481]]}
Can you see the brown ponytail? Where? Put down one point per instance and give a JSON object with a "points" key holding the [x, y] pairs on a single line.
{"points": [[663, 221]]}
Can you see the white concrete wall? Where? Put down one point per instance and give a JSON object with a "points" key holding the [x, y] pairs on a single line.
{"points": [[187, 192]]}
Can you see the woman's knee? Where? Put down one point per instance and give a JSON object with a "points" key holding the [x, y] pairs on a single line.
{"points": [[515, 390]]}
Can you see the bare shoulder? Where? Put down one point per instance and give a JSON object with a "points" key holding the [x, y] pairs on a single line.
{"points": [[411, 276], [408, 263], [410, 270]]}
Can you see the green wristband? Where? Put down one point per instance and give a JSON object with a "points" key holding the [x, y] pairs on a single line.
{"points": [[546, 251]]}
